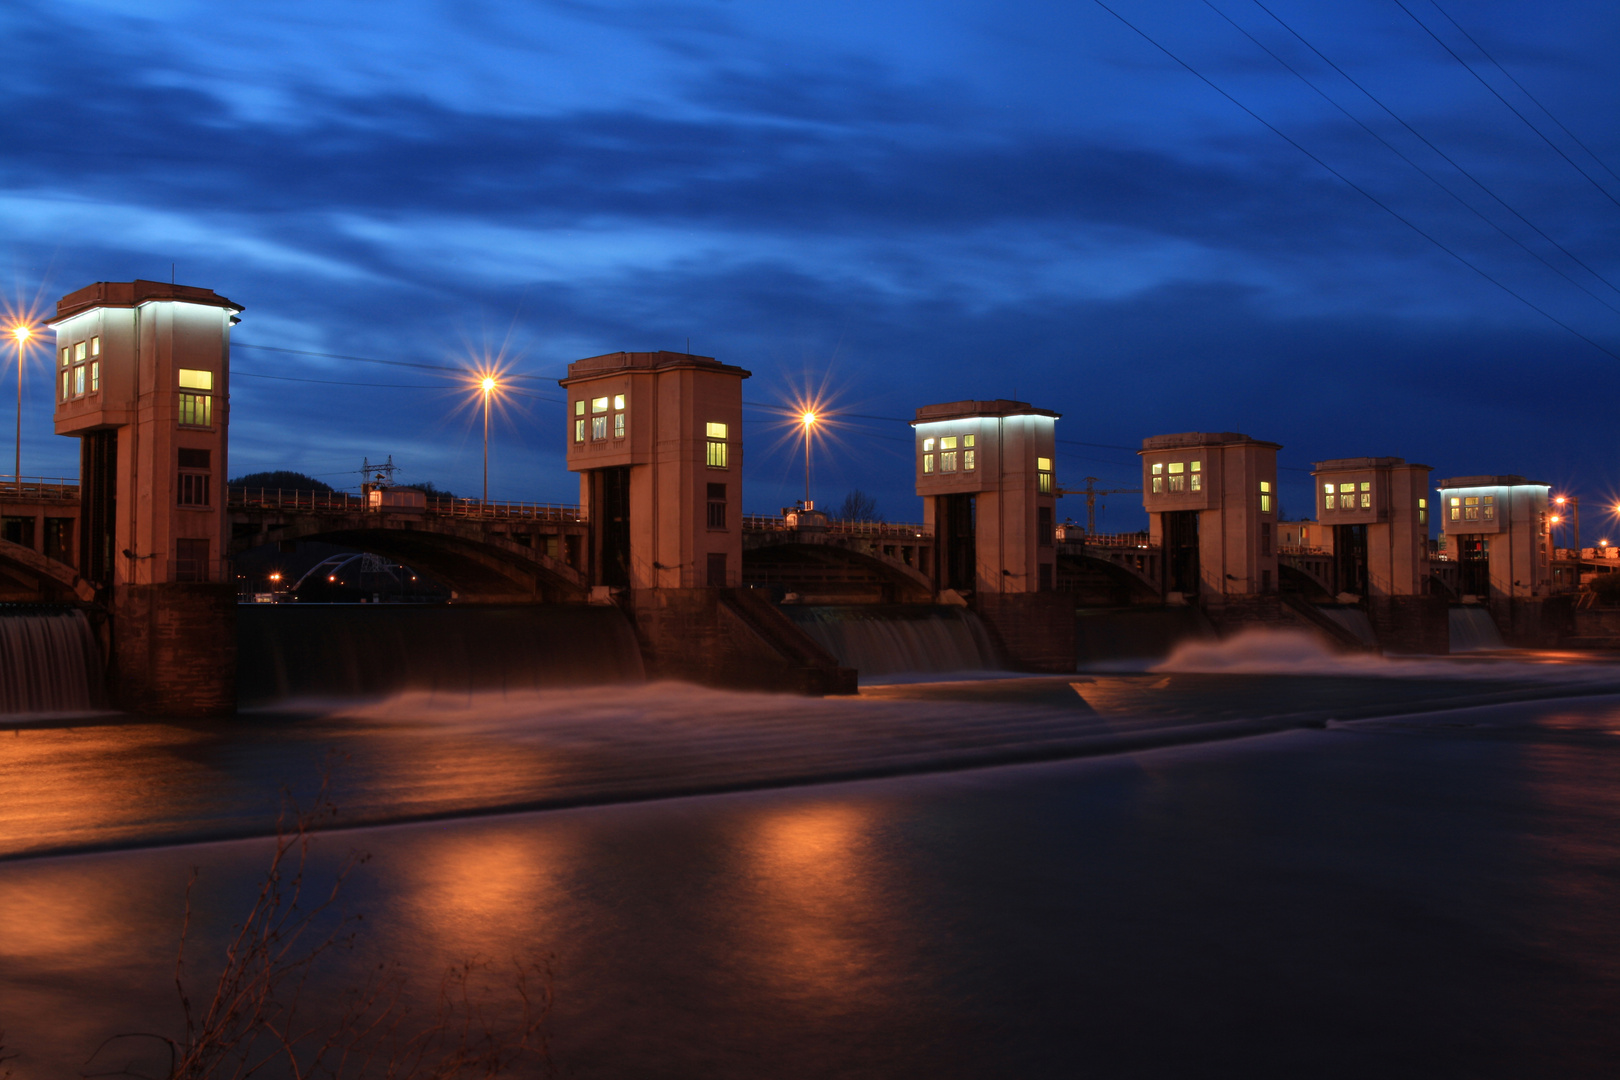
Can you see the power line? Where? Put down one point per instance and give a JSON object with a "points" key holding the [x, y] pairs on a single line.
{"points": [[1555, 147], [1369, 196], [1524, 91], [1420, 169], [1426, 142]]}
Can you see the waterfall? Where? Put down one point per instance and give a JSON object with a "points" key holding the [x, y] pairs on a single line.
{"points": [[364, 650], [894, 639], [1473, 630], [49, 662]]}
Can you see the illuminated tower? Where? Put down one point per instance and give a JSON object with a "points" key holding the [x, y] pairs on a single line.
{"points": [[1211, 500], [985, 473], [142, 380], [657, 441], [1496, 529]]}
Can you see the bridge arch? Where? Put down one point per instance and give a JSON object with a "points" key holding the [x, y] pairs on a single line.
{"points": [[479, 565], [54, 582], [831, 569]]}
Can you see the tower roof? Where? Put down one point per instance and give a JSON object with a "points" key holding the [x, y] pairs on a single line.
{"points": [[126, 294]]}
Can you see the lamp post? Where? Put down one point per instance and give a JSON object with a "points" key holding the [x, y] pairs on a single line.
{"points": [[809, 421], [488, 386], [22, 333]]}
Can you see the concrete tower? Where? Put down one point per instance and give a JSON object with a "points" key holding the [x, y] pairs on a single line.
{"points": [[1211, 500], [657, 441], [985, 474], [142, 380]]}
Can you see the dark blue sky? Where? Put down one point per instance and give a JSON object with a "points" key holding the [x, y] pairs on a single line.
{"points": [[899, 202]]}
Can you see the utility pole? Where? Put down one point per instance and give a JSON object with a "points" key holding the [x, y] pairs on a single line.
{"points": [[1091, 491]]}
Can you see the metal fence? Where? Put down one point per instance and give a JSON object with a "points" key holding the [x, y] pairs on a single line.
{"points": [[438, 506], [39, 488], [886, 530]]}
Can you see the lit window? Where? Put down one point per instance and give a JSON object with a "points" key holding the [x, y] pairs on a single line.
{"points": [[1043, 468], [196, 410], [1178, 481], [1471, 508], [968, 440], [618, 401], [599, 426], [1423, 511], [78, 351], [1158, 479], [95, 376], [716, 431], [579, 407], [196, 380], [1488, 504], [1198, 476], [948, 443], [66, 352], [78, 379], [95, 345], [1265, 496], [618, 425], [1456, 512], [599, 405], [947, 454], [579, 429], [1328, 497], [64, 385], [928, 463], [717, 453], [968, 457], [928, 446]]}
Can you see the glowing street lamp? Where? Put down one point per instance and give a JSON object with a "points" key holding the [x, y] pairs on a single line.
{"points": [[22, 332], [809, 422], [487, 385]]}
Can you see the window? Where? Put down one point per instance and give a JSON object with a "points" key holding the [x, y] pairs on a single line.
{"points": [[717, 445], [1423, 511], [95, 345], [196, 380], [1178, 479], [1198, 476], [1265, 496], [618, 425], [947, 454], [64, 386], [599, 405], [1471, 508], [599, 426], [928, 446], [78, 380], [717, 569], [65, 356], [1043, 526], [1366, 494], [79, 352], [95, 376], [1043, 475], [928, 463], [1328, 497], [193, 489], [717, 506], [969, 454], [1488, 505], [1456, 512], [579, 407], [196, 410], [191, 560], [1158, 479], [1265, 538], [579, 429], [618, 401]]}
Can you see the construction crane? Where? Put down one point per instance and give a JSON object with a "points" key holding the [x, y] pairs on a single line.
{"points": [[1091, 491]]}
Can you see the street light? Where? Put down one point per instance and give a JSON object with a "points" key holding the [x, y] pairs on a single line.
{"points": [[487, 385], [809, 422], [22, 332]]}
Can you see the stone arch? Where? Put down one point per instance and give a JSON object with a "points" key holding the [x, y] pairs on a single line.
{"points": [[56, 582], [832, 572]]}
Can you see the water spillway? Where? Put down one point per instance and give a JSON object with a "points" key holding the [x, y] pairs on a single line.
{"points": [[49, 662], [289, 651], [898, 639], [1473, 630]]}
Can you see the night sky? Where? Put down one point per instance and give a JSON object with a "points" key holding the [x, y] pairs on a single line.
{"points": [[892, 203]]}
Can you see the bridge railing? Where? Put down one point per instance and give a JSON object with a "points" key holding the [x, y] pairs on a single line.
{"points": [[1108, 540], [38, 487], [473, 508], [877, 530], [439, 506]]}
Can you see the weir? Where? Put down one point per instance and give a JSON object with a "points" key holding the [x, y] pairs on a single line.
{"points": [[288, 651], [898, 639], [1473, 630], [50, 662]]}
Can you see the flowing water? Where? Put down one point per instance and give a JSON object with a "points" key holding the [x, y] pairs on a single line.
{"points": [[50, 662], [348, 650], [1473, 630], [885, 640]]}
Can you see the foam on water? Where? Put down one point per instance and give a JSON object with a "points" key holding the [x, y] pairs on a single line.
{"points": [[1295, 652]]}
